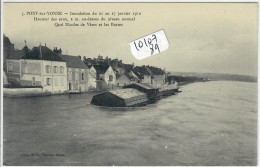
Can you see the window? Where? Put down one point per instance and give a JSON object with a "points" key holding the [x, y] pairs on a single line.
{"points": [[70, 75], [10, 67], [76, 76], [33, 81], [110, 78], [76, 86], [55, 69], [82, 76], [48, 81], [61, 69], [69, 86], [48, 69]]}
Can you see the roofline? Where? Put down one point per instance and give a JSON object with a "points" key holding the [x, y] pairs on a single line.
{"points": [[41, 60]]}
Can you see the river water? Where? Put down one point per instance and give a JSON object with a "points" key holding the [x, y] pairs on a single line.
{"points": [[211, 123]]}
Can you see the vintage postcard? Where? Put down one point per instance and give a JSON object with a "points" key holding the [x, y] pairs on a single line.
{"points": [[129, 84]]}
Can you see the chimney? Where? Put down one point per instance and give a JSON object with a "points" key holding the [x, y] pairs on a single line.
{"points": [[55, 50], [25, 48]]}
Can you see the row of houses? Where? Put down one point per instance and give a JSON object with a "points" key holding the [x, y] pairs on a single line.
{"points": [[42, 67], [57, 73], [127, 73]]}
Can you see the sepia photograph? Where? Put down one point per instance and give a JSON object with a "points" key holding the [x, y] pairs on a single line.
{"points": [[129, 84]]}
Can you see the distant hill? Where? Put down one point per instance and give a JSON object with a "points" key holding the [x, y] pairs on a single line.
{"points": [[217, 76]]}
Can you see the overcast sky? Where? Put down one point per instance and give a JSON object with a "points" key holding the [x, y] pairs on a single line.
{"points": [[203, 37]]}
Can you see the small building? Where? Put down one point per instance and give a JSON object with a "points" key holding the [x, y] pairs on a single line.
{"points": [[172, 80], [127, 67], [126, 79], [118, 70], [125, 75], [13, 71], [149, 89], [77, 74], [9, 52], [133, 76], [105, 73], [123, 80], [132, 95], [158, 75], [143, 74], [120, 98]]}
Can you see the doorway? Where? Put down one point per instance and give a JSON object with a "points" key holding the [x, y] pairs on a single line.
{"points": [[69, 86]]}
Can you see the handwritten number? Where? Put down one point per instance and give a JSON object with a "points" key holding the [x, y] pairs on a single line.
{"points": [[152, 50], [149, 40], [157, 47], [154, 37], [145, 42], [152, 46], [136, 46], [139, 44]]}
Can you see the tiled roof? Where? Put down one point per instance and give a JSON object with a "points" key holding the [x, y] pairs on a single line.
{"points": [[132, 75], [128, 76], [42, 53], [127, 93], [156, 71], [114, 69], [17, 54], [141, 71], [73, 61], [101, 69], [127, 67], [125, 74], [6, 40], [138, 75]]}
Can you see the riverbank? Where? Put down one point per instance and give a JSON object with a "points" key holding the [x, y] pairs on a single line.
{"points": [[38, 92], [34, 92]]}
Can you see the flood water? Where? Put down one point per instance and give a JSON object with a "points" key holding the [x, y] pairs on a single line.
{"points": [[211, 123]]}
